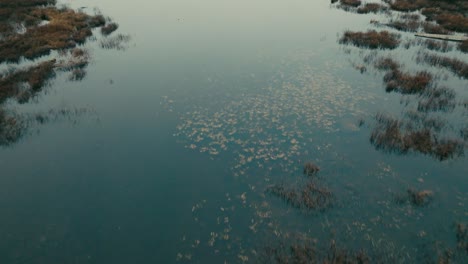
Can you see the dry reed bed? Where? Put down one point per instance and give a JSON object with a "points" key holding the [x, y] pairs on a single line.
{"points": [[63, 31], [371, 39]]}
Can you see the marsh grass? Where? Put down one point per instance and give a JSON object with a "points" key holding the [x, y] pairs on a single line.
{"points": [[456, 66], [117, 42], [395, 136], [437, 99], [310, 197], [407, 83], [407, 25], [67, 29], [372, 8], [35, 77], [109, 28], [371, 39], [310, 252], [437, 45], [350, 3]]}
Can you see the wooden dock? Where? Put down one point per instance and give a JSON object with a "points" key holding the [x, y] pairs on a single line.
{"points": [[458, 38]]}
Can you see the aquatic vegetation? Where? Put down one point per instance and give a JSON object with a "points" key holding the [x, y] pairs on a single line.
{"points": [[371, 8], [407, 25], [46, 28], [463, 46], [433, 28], [274, 125], [453, 22], [350, 3], [386, 64], [406, 5], [371, 39], [66, 29], [437, 99], [464, 133], [11, 128], [407, 83], [14, 126], [115, 42], [311, 252], [454, 65], [11, 83], [418, 198], [437, 45], [462, 236], [390, 135], [310, 169], [311, 196], [403, 82], [109, 28], [14, 12]]}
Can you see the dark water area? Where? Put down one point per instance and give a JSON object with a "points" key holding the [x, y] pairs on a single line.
{"points": [[185, 129]]}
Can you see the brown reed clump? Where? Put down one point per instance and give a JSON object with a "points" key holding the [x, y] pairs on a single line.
{"points": [[448, 148], [406, 83], [432, 28], [405, 25], [387, 64], [35, 77], [437, 45], [371, 39], [371, 8], [407, 5], [458, 67], [109, 28], [310, 169], [453, 22], [350, 3], [390, 135], [437, 99], [66, 29], [14, 12]]}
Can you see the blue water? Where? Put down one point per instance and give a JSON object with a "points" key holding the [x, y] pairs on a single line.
{"points": [[122, 183]]}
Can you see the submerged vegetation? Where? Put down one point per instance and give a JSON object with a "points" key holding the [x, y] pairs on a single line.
{"points": [[309, 252], [418, 198], [458, 67], [310, 169], [311, 196]]}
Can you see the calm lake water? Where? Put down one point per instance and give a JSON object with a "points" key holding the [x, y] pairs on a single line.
{"points": [[210, 104]]}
